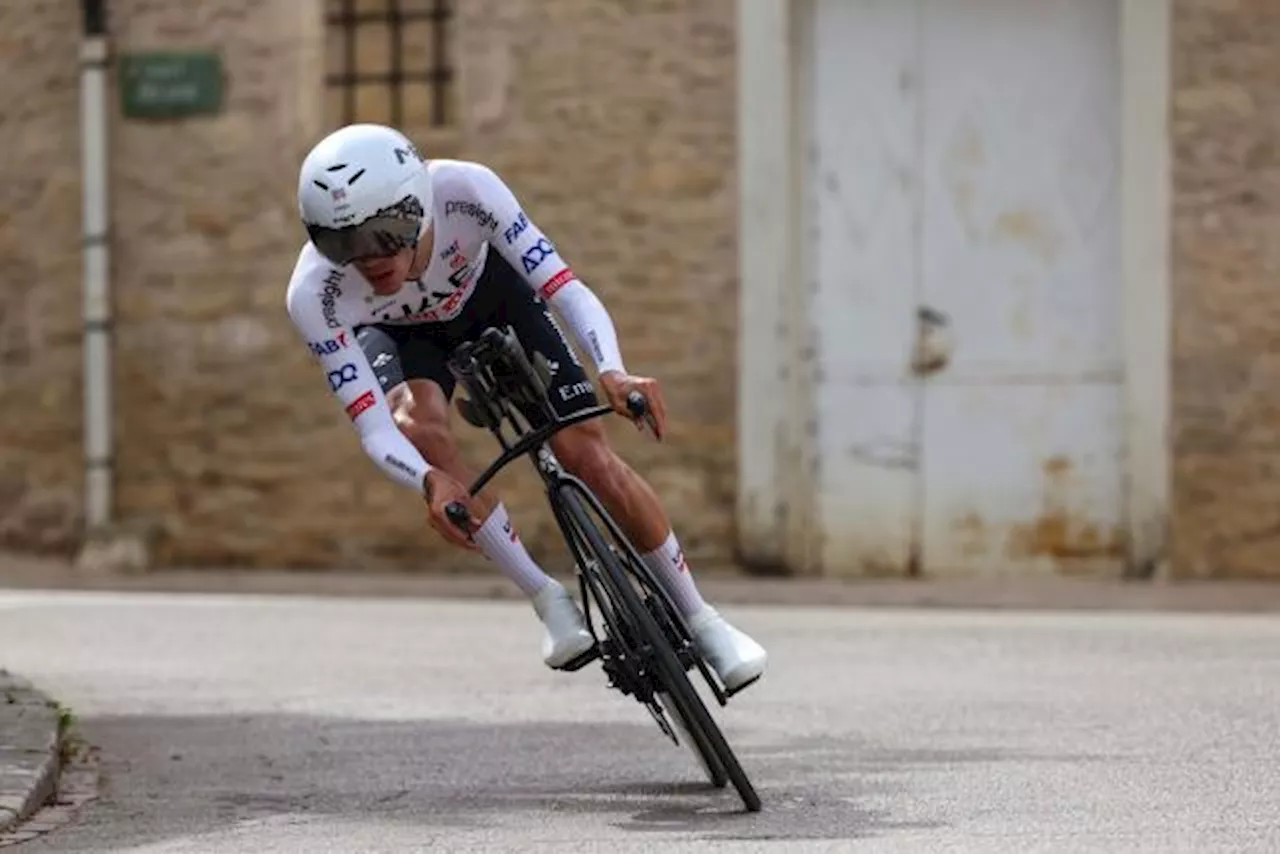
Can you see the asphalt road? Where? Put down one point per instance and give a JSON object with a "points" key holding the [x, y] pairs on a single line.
{"points": [[272, 724]]}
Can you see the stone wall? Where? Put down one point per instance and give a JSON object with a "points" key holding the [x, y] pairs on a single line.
{"points": [[613, 122], [217, 448], [40, 304], [1226, 289]]}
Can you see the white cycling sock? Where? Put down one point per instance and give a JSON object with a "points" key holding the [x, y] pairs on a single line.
{"points": [[501, 544], [668, 564]]}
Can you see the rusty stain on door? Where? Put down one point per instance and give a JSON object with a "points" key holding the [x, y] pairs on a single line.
{"points": [[1058, 532], [934, 342]]}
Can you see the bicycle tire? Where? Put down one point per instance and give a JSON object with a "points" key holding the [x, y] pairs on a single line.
{"points": [[696, 739], [702, 751], [671, 672], [594, 588]]}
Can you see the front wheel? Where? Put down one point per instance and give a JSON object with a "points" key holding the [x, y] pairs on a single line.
{"points": [[668, 671], [702, 751]]}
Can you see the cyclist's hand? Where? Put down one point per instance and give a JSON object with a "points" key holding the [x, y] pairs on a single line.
{"points": [[440, 491], [618, 385]]}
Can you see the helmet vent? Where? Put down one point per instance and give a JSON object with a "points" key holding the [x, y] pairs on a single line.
{"points": [[353, 178], [336, 167], [322, 185]]}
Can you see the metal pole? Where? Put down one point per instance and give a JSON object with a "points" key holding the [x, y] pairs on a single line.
{"points": [[97, 302]]}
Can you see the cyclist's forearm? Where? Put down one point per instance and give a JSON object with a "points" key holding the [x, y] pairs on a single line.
{"points": [[591, 325], [395, 455]]}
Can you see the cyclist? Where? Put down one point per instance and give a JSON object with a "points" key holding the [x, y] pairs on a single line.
{"points": [[407, 259]]}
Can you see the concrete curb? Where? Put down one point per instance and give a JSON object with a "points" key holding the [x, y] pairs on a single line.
{"points": [[31, 736]]}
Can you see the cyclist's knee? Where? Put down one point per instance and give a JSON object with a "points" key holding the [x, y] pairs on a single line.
{"points": [[585, 452], [422, 414]]}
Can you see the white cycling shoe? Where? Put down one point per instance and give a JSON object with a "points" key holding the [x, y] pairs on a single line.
{"points": [[567, 639], [732, 654]]}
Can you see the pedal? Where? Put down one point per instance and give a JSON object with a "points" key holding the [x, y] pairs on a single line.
{"points": [[581, 661]]}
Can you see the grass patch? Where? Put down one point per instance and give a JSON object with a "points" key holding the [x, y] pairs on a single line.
{"points": [[70, 743]]}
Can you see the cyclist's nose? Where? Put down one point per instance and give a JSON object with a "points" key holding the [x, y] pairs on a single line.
{"points": [[382, 273], [376, 266]]}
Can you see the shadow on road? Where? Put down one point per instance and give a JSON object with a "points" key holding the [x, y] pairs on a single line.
{"points": [[165, 777]]}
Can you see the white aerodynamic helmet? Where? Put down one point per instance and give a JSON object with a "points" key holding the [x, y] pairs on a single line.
{"points": [[364, 191]]}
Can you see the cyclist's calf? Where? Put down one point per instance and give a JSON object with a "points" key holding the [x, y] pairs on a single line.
{"points": [[584, 451]]}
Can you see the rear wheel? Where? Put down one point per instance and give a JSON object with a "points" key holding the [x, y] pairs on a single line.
{"points": [[669, 673]]}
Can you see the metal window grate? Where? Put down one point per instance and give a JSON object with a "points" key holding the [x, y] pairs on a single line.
{"points": [[353, 72]]}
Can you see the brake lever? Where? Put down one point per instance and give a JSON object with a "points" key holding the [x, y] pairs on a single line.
{"points": [[638, 406], [458, 515]]}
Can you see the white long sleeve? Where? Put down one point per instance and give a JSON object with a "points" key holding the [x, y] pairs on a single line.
{"points": [[320, 318], [524, 245], [591, 325]]}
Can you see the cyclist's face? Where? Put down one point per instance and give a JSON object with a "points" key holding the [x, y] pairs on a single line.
{"points": [[386, 274], [389, 273]]}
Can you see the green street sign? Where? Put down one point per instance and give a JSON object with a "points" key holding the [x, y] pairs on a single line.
{"points": [[169, 84]]}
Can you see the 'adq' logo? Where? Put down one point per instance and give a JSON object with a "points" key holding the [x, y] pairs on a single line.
{"points": [[536, 254]]}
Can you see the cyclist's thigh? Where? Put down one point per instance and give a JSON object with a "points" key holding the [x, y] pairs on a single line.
{"points": [[539, 332], [401, 354]]}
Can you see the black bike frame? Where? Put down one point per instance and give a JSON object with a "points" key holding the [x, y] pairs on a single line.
{"points": [[472, 366], [490, 392], [494, 370], [497, 374], [530, 443]]}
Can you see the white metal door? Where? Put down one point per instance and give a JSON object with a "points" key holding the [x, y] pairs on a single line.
{"points": [[862, 220], [1022, 457], [962, 160]]}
